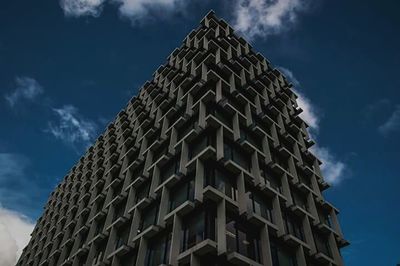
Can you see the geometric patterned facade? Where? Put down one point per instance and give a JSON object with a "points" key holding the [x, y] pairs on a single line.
{"points": [[208, 165]]}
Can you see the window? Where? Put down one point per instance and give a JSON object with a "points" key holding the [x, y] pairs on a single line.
{"points": [[281, 256], [221, 180], [119, 210], [276, 158], [322, 244], [293, 225], [299, 199], [128, 259], [181, 193], [272, 179], [255, 140], [122, 236], [187, 127], [158, 250], [202, 142], [171, 168], [149, 216], [142, 191], [220, 114], [99, 227], [261, 207], [198, 227], [234, 153], [243, 239], [162, 150]]}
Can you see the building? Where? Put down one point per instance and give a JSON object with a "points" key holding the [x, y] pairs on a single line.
{"points": [[208, 165]]}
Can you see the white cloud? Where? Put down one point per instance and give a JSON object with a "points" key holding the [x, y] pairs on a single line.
{"points": [[15, 230], [135, 10], [71, 127], [26, 89], [332, 168], [392, 124], [309, 114], [76, 8], [260, 18]]}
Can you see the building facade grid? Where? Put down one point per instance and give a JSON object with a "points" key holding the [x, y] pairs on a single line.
{"points": [[208, 165]]}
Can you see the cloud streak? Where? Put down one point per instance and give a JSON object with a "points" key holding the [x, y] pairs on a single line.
{"points": [[392, 124], [134, 10], [71, 127], [27, 89], [332, 168], [261, 18]]}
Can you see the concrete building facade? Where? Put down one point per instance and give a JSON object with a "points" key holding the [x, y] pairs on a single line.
{"points": [[208, 165]]}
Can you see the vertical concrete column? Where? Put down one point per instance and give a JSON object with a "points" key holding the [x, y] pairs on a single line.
{"points": [[111, 242], [286, 189], [218, 90], [249, 117], [135, 225], [164, 203], [184, 157], [315, 186], [257, 102], [335, 251], [141, 257], [277, 213], [292, 169], [189, 104], [335, 222], [255, 168], [274, 133], [300, 258], [236, 127], [221, 227], [202, 114], [199, 181], [242, 197], [311, 206], [175, 241], [309, 239], [266, 257], [220, 143]]}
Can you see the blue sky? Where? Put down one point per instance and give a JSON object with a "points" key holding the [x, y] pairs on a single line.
{"points": [[68, 67]]}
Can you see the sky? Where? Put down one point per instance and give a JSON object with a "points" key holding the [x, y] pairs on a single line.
{"points": [[68, 67]]}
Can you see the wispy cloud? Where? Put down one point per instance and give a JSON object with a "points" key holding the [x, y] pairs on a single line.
{"points": [[261, 18], [392, 124], [71, 127], [26, 89], [15, 230], [332, 168], [134, 10]]}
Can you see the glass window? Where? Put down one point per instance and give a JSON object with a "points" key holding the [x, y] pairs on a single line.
{"points": [[232, 152], [149, 216], [281, 256], [242, 239], [322, 244], [181, 193], [198, 227], [293, 225], [119, 210], [142, 191], [202, 142], [273, 179], [122, 236], [171, 168], [158, 250], [262, 206], [221, 180]]}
